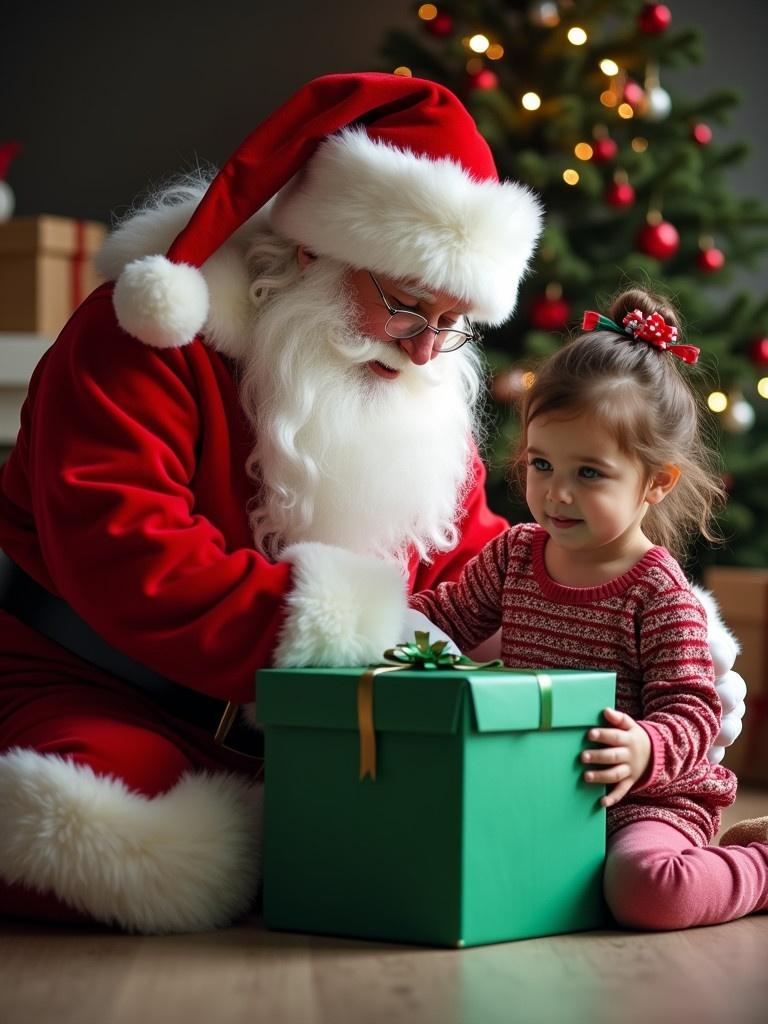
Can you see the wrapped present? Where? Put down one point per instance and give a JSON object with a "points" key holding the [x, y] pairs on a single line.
{"points": [[444, 807], [46, 271], [742, 595]]}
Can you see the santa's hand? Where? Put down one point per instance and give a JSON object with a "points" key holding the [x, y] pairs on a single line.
{"points": [[416, 621]]}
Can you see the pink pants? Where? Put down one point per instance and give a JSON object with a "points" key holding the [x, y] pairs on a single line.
{"points": [[656, 879]]}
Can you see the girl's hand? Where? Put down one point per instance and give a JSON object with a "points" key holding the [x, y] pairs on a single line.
{"points": [[627, 751]]}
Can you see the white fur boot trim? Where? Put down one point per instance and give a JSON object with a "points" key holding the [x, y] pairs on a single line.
{"points": [[185, 860], [344, 609]]}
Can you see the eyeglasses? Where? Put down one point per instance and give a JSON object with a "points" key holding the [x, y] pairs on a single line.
{"points": [[404, 324]]}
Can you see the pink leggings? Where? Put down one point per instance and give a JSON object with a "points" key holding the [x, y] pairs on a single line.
{"points": [[656, 879]]}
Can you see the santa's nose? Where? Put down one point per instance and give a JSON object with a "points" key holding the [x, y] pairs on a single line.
{"points": [[421, 348]]}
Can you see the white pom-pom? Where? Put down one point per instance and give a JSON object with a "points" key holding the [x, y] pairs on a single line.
{"points": [[161, 303]]}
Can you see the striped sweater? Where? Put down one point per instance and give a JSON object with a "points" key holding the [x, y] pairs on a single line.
{"points": [[646, 625]]}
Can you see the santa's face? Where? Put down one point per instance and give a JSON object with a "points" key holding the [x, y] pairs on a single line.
{"points": [[360, 440], [440, 309]]}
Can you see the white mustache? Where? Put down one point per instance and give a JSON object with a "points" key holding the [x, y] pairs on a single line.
{"points": [[360, 348]]}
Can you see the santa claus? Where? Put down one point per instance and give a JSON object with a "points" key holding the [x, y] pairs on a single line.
{"points": [[244, 451]]}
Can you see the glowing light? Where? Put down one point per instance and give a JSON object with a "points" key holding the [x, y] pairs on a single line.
{"points": [[577, 36], [717, 401], [609, 67], [403, 71], [639, 144], [531, 101], [427, 12], [762, 387], [583, 151], [625, 110], [495, 51], [609, 98], [570, 176], [528, 380], [474, 66], [479, 43]]}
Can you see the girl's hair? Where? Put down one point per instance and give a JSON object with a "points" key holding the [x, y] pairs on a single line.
{"points": [[639, 394]]}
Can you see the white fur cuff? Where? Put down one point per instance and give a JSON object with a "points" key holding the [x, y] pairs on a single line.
{"points": [[344, 609]]}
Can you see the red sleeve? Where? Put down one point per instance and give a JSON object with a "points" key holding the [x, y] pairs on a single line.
{"points": [[469, 609], [681, 708], [113, 438], [478, 527]]}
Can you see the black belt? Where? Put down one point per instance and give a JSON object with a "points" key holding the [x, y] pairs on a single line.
{"points": [[33, 605]]}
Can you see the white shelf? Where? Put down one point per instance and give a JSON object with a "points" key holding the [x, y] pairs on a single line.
{"points": [[19, 355]]}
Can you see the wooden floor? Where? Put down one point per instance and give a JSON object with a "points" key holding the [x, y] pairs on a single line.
{"points": [[247, 974]]}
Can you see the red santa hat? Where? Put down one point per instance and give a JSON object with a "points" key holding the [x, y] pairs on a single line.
{"points": [[378, 171]]}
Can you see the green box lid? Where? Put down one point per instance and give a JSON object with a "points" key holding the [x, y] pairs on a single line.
{"points": [[431, 701]]}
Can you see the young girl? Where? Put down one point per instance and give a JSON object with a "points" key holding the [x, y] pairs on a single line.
{"points": [[617, 474]]}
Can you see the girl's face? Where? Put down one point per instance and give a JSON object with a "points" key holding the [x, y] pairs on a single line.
{"points": [[588, 495]]}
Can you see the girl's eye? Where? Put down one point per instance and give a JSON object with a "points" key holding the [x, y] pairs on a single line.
{"points": [[541, 464], [589, 473]]}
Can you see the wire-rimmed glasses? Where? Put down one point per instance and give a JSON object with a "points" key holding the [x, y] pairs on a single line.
{"points": [[404, 323]]}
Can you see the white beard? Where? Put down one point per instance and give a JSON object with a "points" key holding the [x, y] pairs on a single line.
{"points": [[342, 456]]}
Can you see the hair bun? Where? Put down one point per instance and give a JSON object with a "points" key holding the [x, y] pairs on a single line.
{"points": [[647, 303]]}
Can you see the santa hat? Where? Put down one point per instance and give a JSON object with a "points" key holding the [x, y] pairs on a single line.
{"points": [[378, 171]]}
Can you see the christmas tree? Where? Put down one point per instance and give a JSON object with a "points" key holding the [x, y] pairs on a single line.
{"points": [[570, 97]]}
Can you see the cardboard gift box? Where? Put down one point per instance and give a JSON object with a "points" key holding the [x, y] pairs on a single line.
{"points": [[46, 270], [478, 827]]}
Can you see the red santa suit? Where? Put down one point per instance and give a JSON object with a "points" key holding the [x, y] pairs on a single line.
{"points": [[126, 497]]}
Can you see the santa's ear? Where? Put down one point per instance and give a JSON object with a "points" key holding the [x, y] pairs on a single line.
{"points": [[661, 483], [304, 256]]}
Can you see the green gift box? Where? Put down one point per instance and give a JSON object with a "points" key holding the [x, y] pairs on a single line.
{"points": [[478, 827]]}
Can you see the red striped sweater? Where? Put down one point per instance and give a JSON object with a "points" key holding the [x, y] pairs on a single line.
{"points": [[646, 625]]}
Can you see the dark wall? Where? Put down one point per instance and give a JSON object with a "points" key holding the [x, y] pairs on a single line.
{"points": [[109, 98]]}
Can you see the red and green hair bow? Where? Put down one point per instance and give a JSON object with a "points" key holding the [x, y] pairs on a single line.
{"points": [[652, 329]]}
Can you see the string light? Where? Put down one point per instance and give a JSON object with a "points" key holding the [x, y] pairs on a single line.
{"points": [[403, 71], [762, 387], [570, 176], [474, 66], [609, 67], [717, 401], [639, 144], [528, 380], [531, 101], [495, 51], [625, 110], [427, 12], [577, 36], [583, 151], [479, 43], [609, 98]]}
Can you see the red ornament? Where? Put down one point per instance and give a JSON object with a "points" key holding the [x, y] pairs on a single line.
{"points": [[619, 194], [549, 314], [710, 259], [633, 93], [654, 19], [659, 240], [485, 79], [603, 150], [701, 133], [440, 26], [758, 351]]}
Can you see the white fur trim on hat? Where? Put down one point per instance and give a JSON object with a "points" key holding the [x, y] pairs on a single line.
{"points": [[161, 303], [186, 860], [372, 205], [344, 609]]}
